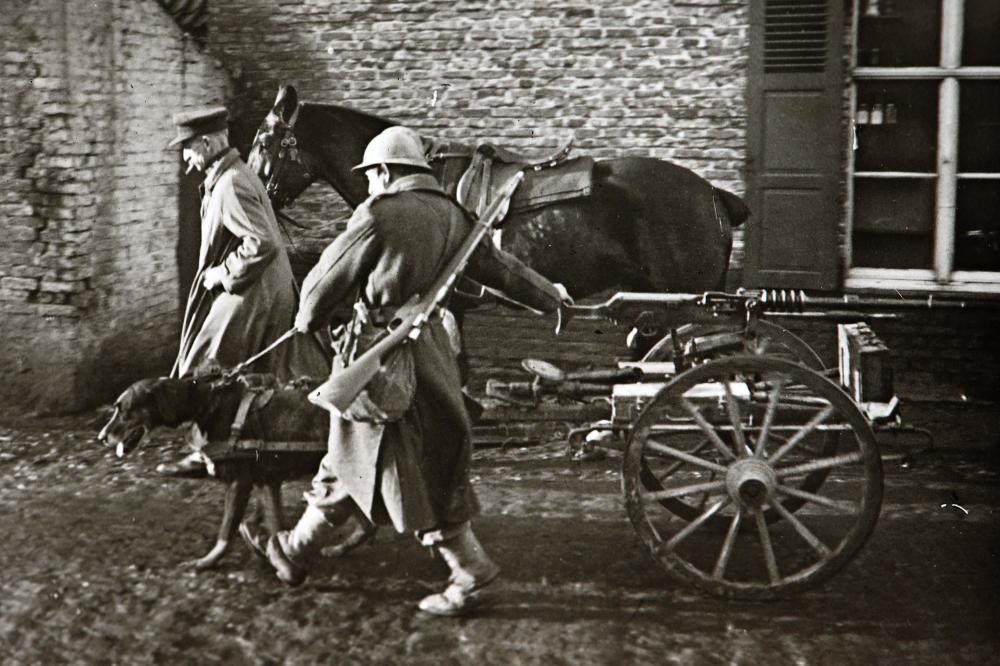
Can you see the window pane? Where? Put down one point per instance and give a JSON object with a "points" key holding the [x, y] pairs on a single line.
{"points": [[893, 223], [979, 126], [897, 126], [899, 33], [977, 226], [982, 26]]}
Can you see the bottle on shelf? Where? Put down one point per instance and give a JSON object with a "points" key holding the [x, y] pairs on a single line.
{"points": [[877, 115], [873, 9], [861, 117], [890, 114]]}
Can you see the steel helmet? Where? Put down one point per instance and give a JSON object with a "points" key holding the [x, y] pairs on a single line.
{"points": [[396, 145]]}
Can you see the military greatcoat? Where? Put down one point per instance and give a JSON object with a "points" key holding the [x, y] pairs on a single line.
{"points": [[256, 301], [414, 472]]}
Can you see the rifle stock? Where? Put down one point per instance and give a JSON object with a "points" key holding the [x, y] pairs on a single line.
{"points": [[344, 386]]}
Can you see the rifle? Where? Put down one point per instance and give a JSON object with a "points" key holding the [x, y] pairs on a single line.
{"points": [[338, 392]]}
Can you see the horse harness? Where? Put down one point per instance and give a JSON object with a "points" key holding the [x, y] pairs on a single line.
{"points": [[288, 151], [489, 168]]}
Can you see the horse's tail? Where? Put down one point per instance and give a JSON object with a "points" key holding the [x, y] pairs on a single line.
{"points": [[737, 210]]}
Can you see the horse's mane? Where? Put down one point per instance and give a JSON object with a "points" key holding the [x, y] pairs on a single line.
{"points": [[338, 136], [326, 111]]}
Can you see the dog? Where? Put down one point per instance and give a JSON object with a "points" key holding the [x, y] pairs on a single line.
{"points": [[251, 432]]}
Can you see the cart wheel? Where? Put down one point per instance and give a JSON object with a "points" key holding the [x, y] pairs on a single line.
{"points": [[769, 339], [756, 412]]}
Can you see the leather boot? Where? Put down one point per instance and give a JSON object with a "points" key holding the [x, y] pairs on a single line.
{"points": [[471, 571], [290, 553]]}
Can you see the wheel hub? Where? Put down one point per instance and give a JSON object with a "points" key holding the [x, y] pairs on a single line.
{"points": [[750, 482]]}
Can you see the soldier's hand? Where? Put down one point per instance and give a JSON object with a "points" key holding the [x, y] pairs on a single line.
{"points": [[303, 323], [564, 296], [213, 277]]}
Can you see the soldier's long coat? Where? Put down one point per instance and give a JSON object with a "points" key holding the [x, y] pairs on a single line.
{"points": [[394, 247], [256, 302]]}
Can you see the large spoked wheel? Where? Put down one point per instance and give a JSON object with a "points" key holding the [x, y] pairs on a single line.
{"points": [[757, 413], [766, 338]]}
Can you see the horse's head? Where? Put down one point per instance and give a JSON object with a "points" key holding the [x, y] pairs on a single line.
{"points": [[276, 156]]}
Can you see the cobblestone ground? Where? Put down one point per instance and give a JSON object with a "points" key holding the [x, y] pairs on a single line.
{"points": [[92, 546]]}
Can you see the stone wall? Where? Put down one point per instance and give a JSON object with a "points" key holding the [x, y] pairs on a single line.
{"points": [[88, 277]]}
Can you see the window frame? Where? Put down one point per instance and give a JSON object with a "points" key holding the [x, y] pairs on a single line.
{"points": [[943, 277]]}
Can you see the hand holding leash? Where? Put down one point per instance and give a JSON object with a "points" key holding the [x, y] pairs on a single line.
{"points": [[237, 369]]}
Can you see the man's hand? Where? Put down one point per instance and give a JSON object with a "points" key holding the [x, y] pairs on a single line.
{"points": [[564, 296], [302, 322], [213, 277]]}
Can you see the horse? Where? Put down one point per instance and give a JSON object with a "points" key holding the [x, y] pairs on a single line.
{"points": [[648, 224]]}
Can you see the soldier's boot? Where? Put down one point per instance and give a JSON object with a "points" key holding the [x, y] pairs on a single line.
{"points": [[471, 572], [292, 552]]}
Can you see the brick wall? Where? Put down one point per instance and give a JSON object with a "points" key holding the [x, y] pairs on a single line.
{"points": [[88, 279], [661, 78]]}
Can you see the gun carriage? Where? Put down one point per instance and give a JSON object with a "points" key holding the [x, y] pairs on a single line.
{"points": [[749, 471]]}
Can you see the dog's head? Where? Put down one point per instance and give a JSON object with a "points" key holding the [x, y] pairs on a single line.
{"points": [[144, 405]]}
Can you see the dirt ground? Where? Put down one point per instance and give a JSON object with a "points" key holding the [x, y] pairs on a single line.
{"points": [[90, 573]]}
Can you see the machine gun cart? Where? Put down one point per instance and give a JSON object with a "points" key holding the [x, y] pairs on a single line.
{"points": [[748, 470]]}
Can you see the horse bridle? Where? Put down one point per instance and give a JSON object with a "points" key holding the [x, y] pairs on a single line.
{"points": [[288, 151]]}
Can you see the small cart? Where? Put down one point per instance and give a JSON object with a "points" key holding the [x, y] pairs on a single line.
{"points": [[749, 471]]}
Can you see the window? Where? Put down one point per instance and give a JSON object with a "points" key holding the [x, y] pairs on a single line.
{"points": [[925, 167]]}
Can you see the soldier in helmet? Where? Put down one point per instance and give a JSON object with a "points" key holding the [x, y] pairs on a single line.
{"points": [[243, 296], [412, 473]]}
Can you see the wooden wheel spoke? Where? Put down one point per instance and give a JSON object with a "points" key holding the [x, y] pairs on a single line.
{"points": [[843, 506], [697, 522], [658, 447], [683, 491], [802, 530], [752, 523], [733, 410], [674, 466], [822, 463], [765, 543], [727, 546], [707, 428], [804, 432], [765, 428]]}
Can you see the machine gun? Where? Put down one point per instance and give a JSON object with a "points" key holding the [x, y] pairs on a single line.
{"points": [[650, 312]]}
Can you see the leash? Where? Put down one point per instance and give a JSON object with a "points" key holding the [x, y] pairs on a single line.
{"points": [[239, 368]]}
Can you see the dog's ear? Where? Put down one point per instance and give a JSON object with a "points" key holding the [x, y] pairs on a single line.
{"points": [[171, 396]]}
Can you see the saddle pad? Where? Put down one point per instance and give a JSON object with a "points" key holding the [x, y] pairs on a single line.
{"points": [[571, 179]]}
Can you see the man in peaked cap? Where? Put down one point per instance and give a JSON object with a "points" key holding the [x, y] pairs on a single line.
{"points": [[244, 295], [201, 121]]}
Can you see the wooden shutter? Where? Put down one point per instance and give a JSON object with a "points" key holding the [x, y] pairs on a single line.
{"points": [[795, 145]]}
